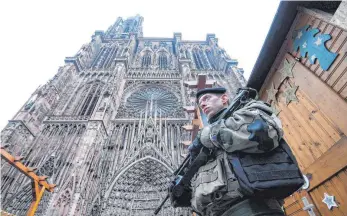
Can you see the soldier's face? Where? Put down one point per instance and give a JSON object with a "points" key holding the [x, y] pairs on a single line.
{"points": [[211, 104]]}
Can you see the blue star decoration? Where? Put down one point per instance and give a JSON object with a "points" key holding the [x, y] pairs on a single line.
{"points": [[329, 200], [307, 42]]}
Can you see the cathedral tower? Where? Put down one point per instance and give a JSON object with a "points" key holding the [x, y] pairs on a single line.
{"points": [[107, 128]]}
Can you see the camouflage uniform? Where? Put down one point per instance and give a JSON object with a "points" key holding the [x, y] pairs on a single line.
{"points": [[215, 189]]}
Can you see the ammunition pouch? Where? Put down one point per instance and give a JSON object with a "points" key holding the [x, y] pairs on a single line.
{"points": [[214, 182], [273, 174]]}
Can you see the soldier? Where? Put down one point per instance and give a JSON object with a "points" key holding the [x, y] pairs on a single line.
{"points": [[216, 190]]}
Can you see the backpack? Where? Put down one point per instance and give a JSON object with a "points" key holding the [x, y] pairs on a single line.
{"points": [[273, 174]]}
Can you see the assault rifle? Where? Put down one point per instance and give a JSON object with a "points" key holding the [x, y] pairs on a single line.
{"points": [[178, 175], [180, 190]]}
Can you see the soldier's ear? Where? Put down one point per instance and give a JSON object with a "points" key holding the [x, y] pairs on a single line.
{"points": [[225, 99]]}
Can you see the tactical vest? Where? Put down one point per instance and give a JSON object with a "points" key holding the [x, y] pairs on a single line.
{"points": [[230, 177], [214, 187], [251, 161], [273, 174]]}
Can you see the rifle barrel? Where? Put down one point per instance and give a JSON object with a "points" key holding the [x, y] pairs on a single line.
{"points": [[180, 168], [161, 205]]}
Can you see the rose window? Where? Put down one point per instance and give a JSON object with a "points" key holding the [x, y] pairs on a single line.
{"points": [[154, 98]]}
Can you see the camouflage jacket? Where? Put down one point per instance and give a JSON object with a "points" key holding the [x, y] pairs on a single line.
{"points": [[214, 186]]}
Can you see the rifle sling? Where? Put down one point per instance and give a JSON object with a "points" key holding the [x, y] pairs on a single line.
{"points": [[199, 161]]}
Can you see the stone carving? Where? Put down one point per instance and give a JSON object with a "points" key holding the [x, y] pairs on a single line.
{"points": [[105, 102], [119, 68], [224, 54], [185, 70]]}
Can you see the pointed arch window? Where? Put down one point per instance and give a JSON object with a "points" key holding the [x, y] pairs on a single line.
{"points": [[129, 25], [162, 61], [204, 61], [126, 30], [120, 51], [99, 59], [146, 60], [198, 62], [211, 59], [89, 99], [188, 55]]}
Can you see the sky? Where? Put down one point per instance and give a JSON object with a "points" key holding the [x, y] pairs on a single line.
{"points": [[36, 36]]}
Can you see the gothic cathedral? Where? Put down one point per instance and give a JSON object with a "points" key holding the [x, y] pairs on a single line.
{"points": [[108, 127]]}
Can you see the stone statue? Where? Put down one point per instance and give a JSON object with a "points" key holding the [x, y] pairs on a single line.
{"points": [[105, 102]]}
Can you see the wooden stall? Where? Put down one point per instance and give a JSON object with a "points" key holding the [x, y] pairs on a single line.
{"points": [[302, 72]]}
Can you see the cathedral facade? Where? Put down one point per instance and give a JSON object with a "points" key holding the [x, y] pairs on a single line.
{"points": [[108, 127]]}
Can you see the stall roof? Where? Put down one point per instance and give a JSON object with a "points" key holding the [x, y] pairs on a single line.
{"points": [[280, 26]]}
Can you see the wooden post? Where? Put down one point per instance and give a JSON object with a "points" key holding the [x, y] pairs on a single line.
{"points": [[36, 199], [198, 122]]}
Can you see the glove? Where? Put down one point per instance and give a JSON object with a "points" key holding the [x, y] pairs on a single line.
{"points": [[179, 201], [182, 201]]}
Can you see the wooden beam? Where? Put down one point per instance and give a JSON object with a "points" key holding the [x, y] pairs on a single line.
{"points": [[209, 83], [195, 84], [201, 82], [187, 127], [37, 198], [195, 131], [189, 109], [186, 143], [26, 170], [190, 84], [196, 122], [31, 169], [329, 164]]}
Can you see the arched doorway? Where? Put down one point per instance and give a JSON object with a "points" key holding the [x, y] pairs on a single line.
{"points": [[139, 188]]}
